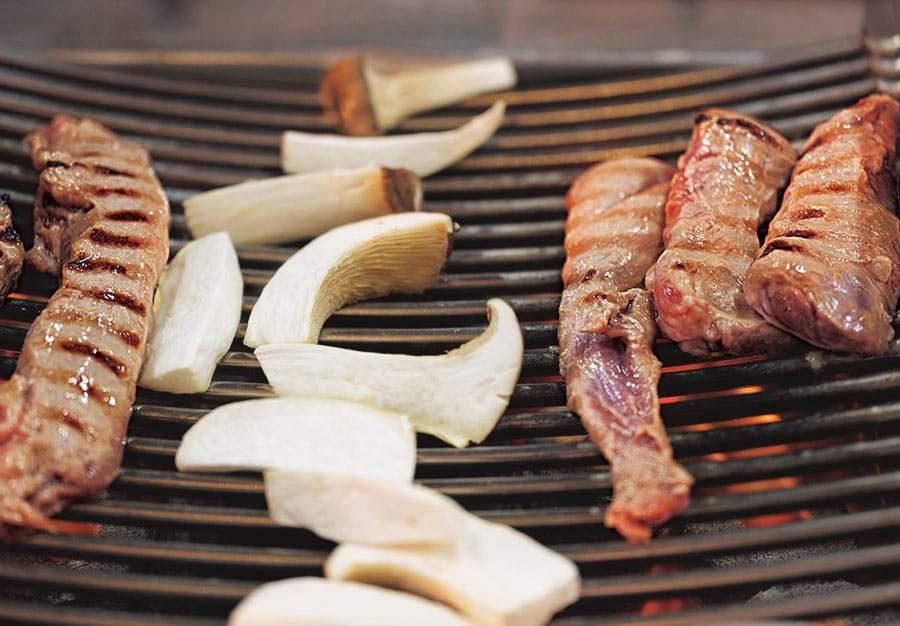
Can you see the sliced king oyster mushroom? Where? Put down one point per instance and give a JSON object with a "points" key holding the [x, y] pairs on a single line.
{"points": [[368, 101], [301, 434], [196, 312], [424, 153], [492, 574], [400, 253], [301, 206], [362, 509], [310, 601], [458, 396]]}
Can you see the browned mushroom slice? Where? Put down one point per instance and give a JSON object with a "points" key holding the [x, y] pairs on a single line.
{"points": [[369, 101], [301, 206]]}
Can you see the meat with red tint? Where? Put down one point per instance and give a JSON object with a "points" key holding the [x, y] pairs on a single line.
{"points": [[829, 270], [727, 184], [606, 335]]}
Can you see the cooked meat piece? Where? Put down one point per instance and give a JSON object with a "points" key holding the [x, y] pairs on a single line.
{"points": [[727, 184], [829, 270], [101, 221], [614, 228], [606, 335], [12, 251]]}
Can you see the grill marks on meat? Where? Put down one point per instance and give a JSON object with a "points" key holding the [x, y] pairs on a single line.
{"points": [[606, 335], [12, 251], [64, 412], [829, 270], [727, 184], [78, 189]]}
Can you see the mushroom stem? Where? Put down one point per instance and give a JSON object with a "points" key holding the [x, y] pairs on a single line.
{"points": [[196, 312], [311, 600], [423, 153], [301, 435], [458, 396], [290, 208], [492, 574], [351, 507]]}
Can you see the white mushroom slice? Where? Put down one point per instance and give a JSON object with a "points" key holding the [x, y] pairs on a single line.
{"points": [[423, 153], [400, 253], [301, 434], [493, 574], [368, 101], [290, 208], [311, 601], [362, 509], [458, 396], [196, 312]]}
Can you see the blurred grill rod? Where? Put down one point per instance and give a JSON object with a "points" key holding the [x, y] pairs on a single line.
{"points": [[882, 39]]}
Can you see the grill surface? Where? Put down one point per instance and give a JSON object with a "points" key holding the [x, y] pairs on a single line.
{"points": [[795, 511]]}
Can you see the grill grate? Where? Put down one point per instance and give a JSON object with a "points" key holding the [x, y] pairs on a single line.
{"points": [[796, 510]]}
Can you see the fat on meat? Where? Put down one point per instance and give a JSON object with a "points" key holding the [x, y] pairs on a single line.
{"points": [[606, 336], [726, 186], [101, 224], [829, 269]]}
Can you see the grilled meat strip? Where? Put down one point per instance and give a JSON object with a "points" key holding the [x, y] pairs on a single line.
{"points": [[829, 270], [606, 335], [12, 250], [101, 222], [727, 184]]}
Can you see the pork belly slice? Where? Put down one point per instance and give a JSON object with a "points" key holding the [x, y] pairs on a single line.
{"points": [[101, 224], [829, 270], [727, 184], [606, 335]]}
